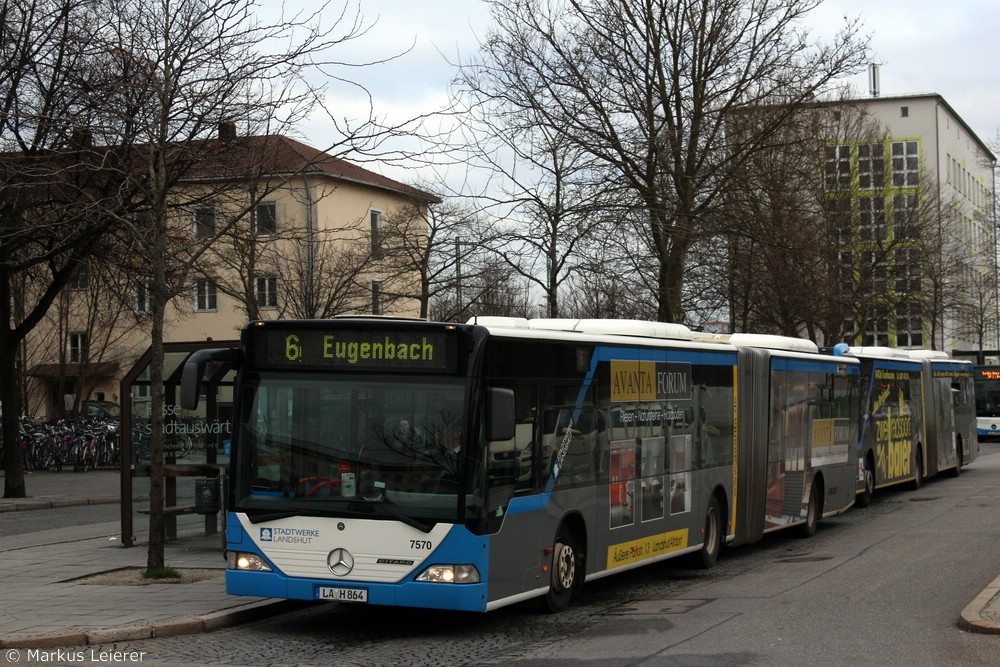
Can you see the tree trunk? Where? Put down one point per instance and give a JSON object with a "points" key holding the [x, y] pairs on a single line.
{"points": [[13, 467]]}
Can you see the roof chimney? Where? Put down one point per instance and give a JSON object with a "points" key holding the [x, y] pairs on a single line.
{"points": [[873, 86], [227, 130]]}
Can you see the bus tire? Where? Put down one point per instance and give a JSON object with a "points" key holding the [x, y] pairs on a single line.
{"points": [[564, 571], [958, 464], [864, 499], [813, 512], [918, 470], [713, 535]]}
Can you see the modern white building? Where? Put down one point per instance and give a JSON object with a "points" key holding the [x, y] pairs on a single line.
{"points": [[922, 189]]}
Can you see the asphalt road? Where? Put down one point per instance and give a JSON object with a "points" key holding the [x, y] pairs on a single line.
{"points": [[883, 585]]}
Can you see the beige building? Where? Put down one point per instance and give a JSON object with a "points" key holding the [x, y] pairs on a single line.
{"points": [[307, 237]]}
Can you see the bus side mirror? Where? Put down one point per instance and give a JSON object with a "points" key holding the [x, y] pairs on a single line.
{"points": [[499, 414], [194, 371]]}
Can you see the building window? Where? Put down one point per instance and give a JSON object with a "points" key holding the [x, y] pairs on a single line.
{"points": [[909, 326], [378, 234], [906, 271], [265, 219], [878, 271], [838, 211], [206, 295], [77, 348], [837, 167], [204, 222], [906, 217], [846, 277], [904, 112], [877, 332], [143, 298], [267, 292], [79, 279], [871, 166], [871, 219], [377, 297], [905, 164]]}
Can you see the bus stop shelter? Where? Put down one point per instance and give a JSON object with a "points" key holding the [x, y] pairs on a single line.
{"points": [[195, 443]]}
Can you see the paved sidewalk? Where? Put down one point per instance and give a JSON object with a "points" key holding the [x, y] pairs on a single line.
{"points": [[44, 603]]}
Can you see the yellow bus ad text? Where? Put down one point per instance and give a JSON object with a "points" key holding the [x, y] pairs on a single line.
{"points": [[627, 553]]}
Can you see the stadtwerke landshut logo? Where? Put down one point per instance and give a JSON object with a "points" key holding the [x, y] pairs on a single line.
{"points": [[289, 535]]}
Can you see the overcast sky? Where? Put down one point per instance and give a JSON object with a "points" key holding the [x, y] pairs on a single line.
{"points": [[922, 46]]}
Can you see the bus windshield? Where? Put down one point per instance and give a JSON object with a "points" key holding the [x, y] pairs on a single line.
{"points": [[987, 382], [347, 444]]}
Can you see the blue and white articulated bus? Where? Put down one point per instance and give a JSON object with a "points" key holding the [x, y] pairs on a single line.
{"points": [[472, 466]]}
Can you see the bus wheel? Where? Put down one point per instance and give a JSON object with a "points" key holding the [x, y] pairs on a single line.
{"points": [[808, 529], [958, 465], [918, 470], [564, 576], [713, 535], [864, 499]]}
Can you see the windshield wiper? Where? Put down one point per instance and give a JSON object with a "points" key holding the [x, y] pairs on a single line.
{"points": [[408, 520], [380, 502]]}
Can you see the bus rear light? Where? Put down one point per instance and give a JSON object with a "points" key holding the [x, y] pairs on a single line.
{"points": [[450, 574], [246, 561]]}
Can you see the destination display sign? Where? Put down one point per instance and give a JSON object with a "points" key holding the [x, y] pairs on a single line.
{"points": [[352, 349]]}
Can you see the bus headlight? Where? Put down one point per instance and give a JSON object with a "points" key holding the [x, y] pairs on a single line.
{"points": [[246, 561], [450, 574]]}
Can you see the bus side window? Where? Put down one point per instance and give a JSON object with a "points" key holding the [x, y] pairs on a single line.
{"points": [[572, 437]]}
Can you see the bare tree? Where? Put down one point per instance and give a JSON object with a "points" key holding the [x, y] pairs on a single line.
{"points": [[645, 89], [98, 309], [544, 190], [58, 191], [324, 275], [783, 234], [976, 310], [494, 289], [181, 70], [442, 246], [616, 271]]}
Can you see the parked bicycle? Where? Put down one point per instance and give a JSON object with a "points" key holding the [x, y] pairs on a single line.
{"points": [[85, 444], [83, 452]]}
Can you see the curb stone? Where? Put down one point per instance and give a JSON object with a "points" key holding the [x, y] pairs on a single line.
{"points": [[973, 619]]}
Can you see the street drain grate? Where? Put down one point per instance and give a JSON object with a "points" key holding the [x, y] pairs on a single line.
{"points": [[924, 500]]}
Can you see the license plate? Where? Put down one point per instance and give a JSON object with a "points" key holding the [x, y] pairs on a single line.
{"points": [[342, 594]]}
